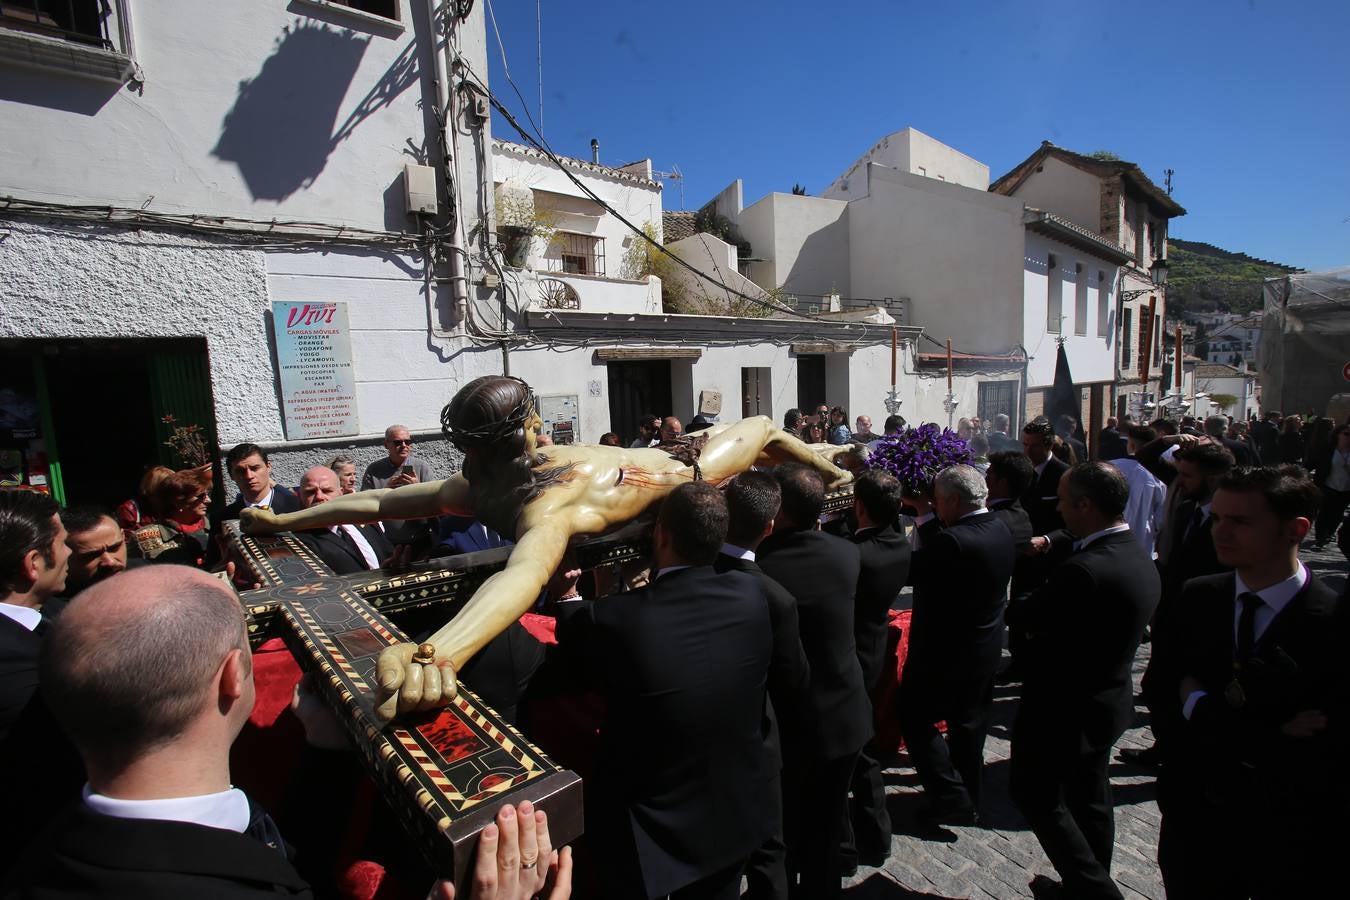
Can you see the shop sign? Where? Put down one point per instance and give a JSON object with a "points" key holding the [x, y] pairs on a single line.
{"points": [[314, 363]]}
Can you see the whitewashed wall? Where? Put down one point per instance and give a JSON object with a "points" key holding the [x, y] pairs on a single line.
{"points": [[1090, 355], [287, 110]]}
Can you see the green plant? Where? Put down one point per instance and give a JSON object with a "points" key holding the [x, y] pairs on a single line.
{"points": [[1104, 155], [1223, 401], [520, 222], [187, 443]]}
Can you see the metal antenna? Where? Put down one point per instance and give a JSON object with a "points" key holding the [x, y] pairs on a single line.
{"points": [[673, 175]]}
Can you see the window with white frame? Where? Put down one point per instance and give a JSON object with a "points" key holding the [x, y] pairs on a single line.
{"points": [[576, 254], [90, 38], [1054, 295], [1103, 305], [1080, 306], [82, 21]]}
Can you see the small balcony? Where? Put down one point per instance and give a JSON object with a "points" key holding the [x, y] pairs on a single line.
{"points": [[587, 293]]}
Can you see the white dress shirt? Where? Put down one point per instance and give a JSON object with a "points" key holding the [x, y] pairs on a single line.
{"points": [[737, 552], [1147, 504], [916, 542], [1274, 599], [26, 616], [367, 551], [227, 810], [1111, 529]]}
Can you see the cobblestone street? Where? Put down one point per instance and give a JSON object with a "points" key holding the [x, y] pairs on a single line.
{"points": [[999, 860]]}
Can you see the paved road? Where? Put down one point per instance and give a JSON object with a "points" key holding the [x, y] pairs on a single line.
{"points": [[1000, 860]]}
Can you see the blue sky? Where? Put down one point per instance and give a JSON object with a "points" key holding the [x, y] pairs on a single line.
{"points": [[1248, 101]]}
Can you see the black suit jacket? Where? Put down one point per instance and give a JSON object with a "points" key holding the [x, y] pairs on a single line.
{"points": [[821, 571], [960, 576], [1240, 756], [682, 784], [884, 555], [1041, 500], [1083, 627], [1266, 438], [88, 855], [39, 768], [284, 500], [789, 673], [341, 558], [1242, 454]]}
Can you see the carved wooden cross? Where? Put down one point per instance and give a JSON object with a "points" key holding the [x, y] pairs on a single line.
{"points": [[445, 773]]}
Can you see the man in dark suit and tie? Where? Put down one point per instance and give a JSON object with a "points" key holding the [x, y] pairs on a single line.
{"points": [[38, 767], [821, 570], [960, 574], [1083, 626], [884, 552], [1041, 498], [1256, 782], [1191, 554], [347, 549], [752, 503], [682, 791]]}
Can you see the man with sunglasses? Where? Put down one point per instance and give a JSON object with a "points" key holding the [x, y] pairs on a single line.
{"points": [[397, 469]]}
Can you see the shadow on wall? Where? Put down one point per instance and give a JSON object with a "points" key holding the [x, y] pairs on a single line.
{"points": [[285, 122]]}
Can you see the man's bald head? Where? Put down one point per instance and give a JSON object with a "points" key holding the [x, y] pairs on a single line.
{"points": [[134, 660], [319, 485]]}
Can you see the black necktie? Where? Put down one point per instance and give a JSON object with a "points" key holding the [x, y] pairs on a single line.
{"points": [[350, 543], [1246, 630], [1194, 526]]}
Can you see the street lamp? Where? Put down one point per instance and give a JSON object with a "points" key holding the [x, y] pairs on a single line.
{"points": [[1159, 275]]}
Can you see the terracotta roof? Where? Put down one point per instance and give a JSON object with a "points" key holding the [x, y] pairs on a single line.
{"points": [[1009, 183], [579, 164], [676, 225], [1062, 229], [1218, 370]]}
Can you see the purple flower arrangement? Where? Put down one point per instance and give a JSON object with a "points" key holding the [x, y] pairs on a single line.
{"points": [[915, 456]]}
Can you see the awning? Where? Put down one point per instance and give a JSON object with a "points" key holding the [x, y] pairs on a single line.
{"points": [[567, 204]]}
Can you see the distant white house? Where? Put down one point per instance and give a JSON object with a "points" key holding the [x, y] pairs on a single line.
{"points": [[1215, 380], [911, 228]]}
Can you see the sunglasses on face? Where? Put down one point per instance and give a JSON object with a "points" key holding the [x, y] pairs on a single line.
{"points": [[402, 443]]}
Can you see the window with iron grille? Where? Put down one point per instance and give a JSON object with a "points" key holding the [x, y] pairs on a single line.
{"points": [[82, 21], [576, 254]]}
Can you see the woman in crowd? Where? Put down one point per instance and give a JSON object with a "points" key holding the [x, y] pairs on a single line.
{"points": [[814, 433], [183, 533], [140, 511], [345, 467], [838, 432]]}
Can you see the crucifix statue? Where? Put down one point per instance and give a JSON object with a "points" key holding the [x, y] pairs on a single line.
{"points": [[541, 499]]}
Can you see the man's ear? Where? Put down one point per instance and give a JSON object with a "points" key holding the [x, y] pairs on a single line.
{"points": [[30, 566], [768, 529], [1298, 529], [235, 674]]}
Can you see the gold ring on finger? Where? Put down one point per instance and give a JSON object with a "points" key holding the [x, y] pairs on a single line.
{"points": [[425, 655]]}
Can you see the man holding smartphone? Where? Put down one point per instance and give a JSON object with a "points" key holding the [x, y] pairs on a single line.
{"points": [[397, 469]]}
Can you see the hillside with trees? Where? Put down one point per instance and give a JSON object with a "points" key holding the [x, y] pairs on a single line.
{"points": [[1202, 277]]}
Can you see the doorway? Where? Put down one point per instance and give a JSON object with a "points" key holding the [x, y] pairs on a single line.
{"points": [[756, 395], [810, 382], [100, 408], [637, 387]]}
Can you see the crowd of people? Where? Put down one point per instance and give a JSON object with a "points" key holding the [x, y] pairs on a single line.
{"points": [[741, 677]]}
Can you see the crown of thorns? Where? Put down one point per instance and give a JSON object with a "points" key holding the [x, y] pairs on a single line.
{"points": [[490, 432]]}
